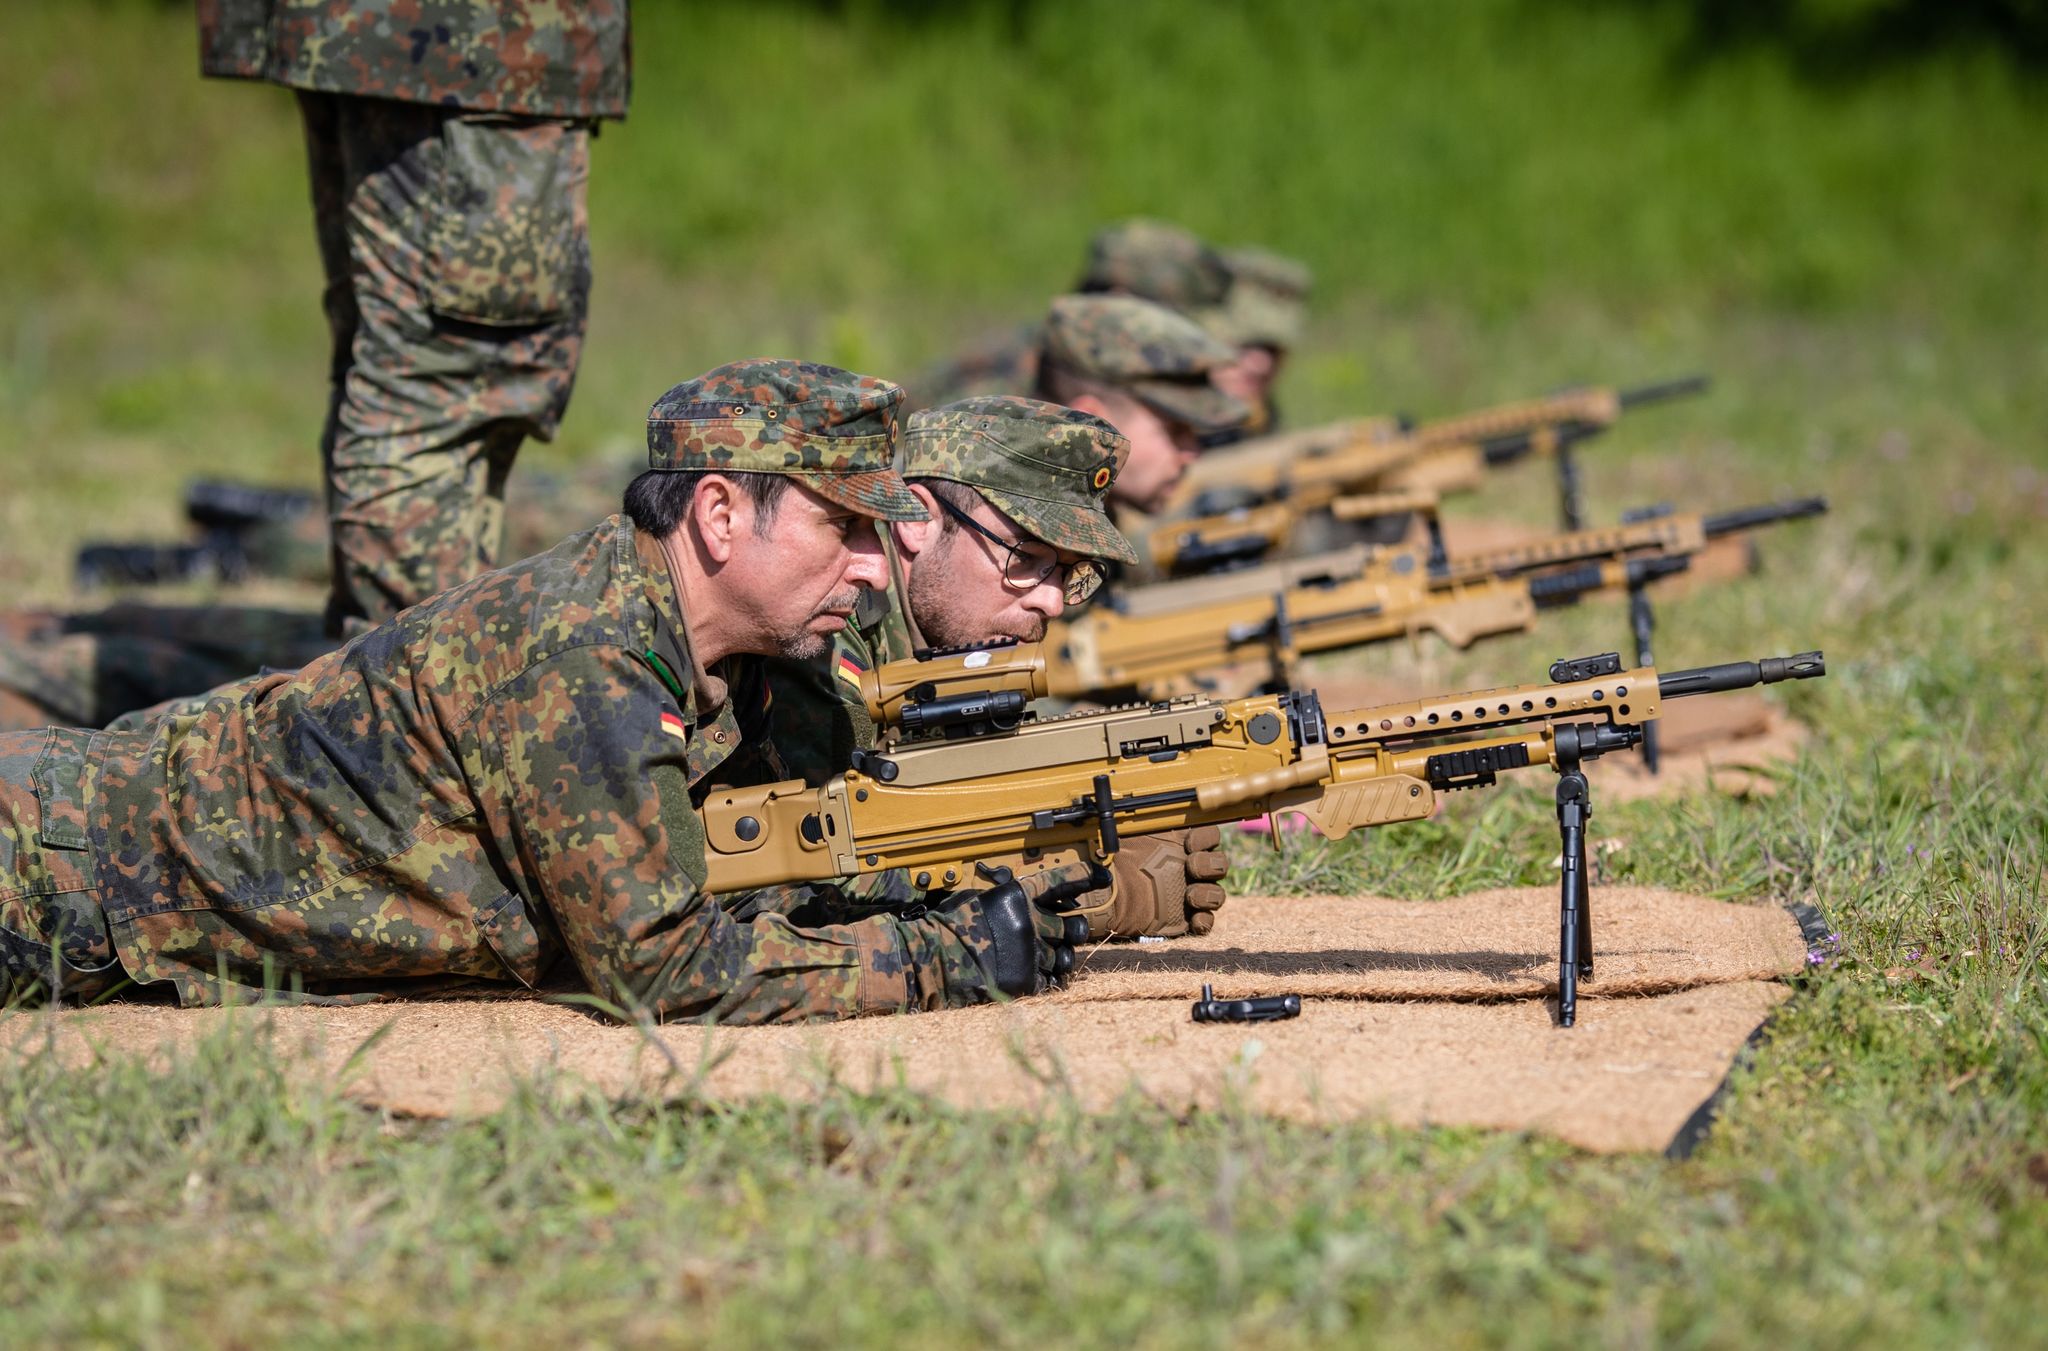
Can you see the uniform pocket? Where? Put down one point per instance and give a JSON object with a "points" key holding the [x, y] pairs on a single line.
{"points": [[515, 940], [53, 852], [507, 243]]}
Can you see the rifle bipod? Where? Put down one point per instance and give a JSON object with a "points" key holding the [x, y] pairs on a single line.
{"points": [[1575, 743]]}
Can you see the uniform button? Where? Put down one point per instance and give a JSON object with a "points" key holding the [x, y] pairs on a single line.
{"points": [[719, 737]]}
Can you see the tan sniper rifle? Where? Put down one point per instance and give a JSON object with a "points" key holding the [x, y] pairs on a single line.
{"points": [[1152, 640], [1242, 502], [963, 780]]}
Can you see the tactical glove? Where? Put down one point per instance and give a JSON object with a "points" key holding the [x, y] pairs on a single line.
{"points": [[1032, 943], [1166, 886]]}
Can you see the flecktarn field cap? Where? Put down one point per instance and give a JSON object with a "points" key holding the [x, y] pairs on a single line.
{"points": [[1161, 358], [831, 428], [1268, 299], [1046, 467], [1158, 262]]}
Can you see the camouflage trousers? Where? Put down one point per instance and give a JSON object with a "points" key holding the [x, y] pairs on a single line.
{"points": [[457, 261], [54, 939]]}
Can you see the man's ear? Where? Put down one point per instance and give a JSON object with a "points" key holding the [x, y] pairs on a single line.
{"points": [[914, 537], [716, 512]]}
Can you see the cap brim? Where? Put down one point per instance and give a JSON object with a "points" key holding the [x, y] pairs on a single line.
{"points": [[1257, 318], [881, 494], [1199, 405], [1078, 530]]}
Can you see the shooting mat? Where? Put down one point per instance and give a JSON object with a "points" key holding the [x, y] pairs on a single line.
{"points": [[1420, 1012]]}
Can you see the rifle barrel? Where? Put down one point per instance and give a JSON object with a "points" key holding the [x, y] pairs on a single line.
{"points": [[1741, 675], [1568, 585], [1680, 388], [1749, 518]]}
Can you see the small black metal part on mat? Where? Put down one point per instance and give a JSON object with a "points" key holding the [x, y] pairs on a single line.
{"points": [[1258, 1009]]}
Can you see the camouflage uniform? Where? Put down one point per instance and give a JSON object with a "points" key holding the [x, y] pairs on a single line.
{"points": [[449, 148], [498, 777], [1144, 258]]}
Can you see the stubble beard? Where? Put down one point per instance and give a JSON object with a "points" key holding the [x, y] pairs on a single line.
{"points": [[930, 597], [806, 645]]}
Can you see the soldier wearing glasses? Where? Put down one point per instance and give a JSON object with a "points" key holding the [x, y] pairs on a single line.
{"points": [[1019, 530]]}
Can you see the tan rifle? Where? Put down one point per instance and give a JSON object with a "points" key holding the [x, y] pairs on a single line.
{"points": [[1242, 502], [966, 788], [1154, 640]]}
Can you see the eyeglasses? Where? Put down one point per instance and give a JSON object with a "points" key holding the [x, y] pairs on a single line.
{"points": [[1078, 581]]}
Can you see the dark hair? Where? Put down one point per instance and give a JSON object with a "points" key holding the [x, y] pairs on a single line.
{"points": [[659, 499], [954, 494]]}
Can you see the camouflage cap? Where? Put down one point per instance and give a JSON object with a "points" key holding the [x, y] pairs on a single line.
{"points": [[1158, 262], [1268, 298], [1045, 467], [833, 429], [1161, 358]]}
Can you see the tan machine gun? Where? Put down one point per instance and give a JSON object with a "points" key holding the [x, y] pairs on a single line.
{"points": [[1152, 640], [964, 782], [1242, 502]]}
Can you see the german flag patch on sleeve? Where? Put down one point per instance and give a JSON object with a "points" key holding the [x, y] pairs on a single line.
{"points": [[672, 723], [848, 670]]}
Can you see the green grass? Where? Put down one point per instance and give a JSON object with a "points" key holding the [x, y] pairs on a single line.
{"points": [[1498, 198]]}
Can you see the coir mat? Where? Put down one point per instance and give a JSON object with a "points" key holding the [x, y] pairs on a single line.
{"points": [[1416, 1012]]}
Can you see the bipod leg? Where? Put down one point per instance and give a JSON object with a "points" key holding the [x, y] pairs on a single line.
{"points": [[1284, 655], [1642, 618], [1570, 498], [1584, 953], [1575, 935]]}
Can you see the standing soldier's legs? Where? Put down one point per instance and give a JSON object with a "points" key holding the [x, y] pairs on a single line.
{"points": [[457, 255]]}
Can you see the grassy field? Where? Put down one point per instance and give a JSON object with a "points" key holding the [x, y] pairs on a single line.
{"points": [[1498, 198]]}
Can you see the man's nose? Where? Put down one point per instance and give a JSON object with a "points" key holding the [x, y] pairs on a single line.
{"points": [[865, 565], [1047, 599]]}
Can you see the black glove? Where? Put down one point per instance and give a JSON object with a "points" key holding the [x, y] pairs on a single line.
{"points": [[1031, 942]]}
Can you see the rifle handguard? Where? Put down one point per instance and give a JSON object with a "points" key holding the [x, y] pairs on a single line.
{"points": [[1369, 506], [1313, 767]]}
